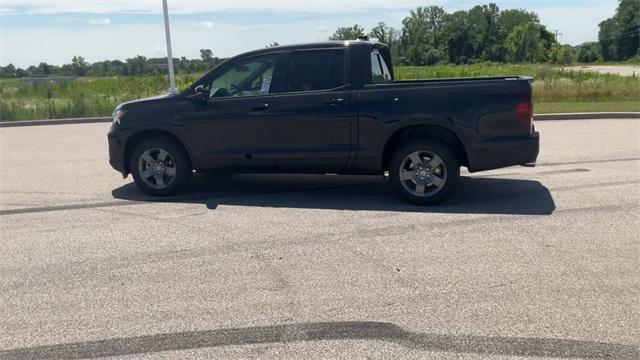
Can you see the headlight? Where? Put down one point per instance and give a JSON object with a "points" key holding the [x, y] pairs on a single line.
{"points": [[117, 115]]}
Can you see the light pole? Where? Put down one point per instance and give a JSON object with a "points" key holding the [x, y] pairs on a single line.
{"points": [[167, 31]]}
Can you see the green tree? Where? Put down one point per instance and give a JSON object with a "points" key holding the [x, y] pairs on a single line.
{"points": [[619, 36], [43, 69], [79, 66], [458, 30], [107, 68], [472, 35], [20, 72], [607, 38], [506, 21], [562, 54], [136, 65], [395, 46], [422, 34], [511, 18], [484, 31], [589, 52], [388, 36], [380, 32], [529, 42], [348, 33], [208, 60], [206, 55], [8, 71]]}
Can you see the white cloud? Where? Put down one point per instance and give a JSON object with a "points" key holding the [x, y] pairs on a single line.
{"points": [[198, 6], [197, 25], [322, 29], [207, 24], [103, 21], [7, 10]]}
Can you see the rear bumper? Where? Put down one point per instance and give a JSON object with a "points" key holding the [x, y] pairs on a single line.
{"points": [[505, 153]]}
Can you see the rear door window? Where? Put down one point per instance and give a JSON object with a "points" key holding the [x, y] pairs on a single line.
{"points": [[313, 70], [379, 69]]}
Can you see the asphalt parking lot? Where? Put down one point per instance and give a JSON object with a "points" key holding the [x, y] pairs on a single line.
{"points": [[537, 262]]}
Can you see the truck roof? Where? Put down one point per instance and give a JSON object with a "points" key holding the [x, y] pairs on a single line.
{"points": [[315, 45]]}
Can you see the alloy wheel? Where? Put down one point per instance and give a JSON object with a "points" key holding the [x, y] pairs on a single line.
{"points": [[157, 168], [423, 173]]}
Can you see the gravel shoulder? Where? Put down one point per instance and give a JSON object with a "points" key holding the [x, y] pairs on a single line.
{"points": [[623, 70]]}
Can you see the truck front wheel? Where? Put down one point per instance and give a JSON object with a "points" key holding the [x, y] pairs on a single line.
{"points": [[424, 172], [160, 167]]}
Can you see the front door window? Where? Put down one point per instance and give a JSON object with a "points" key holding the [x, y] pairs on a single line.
{"points": [[249, 77]]}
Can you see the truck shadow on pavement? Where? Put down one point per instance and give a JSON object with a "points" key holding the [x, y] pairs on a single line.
{"points": [[329, 331], [473, 196]]}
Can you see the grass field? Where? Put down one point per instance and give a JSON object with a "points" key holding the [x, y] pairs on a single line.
{"points": [[83, 98], [554, 91]]}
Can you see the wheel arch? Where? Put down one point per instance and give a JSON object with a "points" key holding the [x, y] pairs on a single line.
{"points": [[423, 131], [140, 135]]}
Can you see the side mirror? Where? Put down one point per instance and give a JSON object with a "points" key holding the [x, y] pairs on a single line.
{"points": [[200, 90], [199, 93]]}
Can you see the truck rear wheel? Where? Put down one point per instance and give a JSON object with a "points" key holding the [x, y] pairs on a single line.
{"points": [[160, 167], [424, 172]]}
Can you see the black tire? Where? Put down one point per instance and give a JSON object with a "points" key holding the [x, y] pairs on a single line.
{"points": [[447, 174], [176, 159]]}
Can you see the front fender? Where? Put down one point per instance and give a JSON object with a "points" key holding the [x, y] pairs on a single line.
{"points": [[178, 133]]}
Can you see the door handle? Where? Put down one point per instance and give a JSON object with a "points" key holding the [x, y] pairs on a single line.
{"points": [[335, 102], [259, 107]]}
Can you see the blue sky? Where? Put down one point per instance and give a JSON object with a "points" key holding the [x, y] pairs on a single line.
{"points": [[54, 31]]}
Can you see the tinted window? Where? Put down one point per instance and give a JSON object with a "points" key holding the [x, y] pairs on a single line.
{"points": [[379, 69], [245, 78], [315, 70], [376, 69]]}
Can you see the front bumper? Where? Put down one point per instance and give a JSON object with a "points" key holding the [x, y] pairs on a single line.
{"points": [[117, 154], [506, 153]]}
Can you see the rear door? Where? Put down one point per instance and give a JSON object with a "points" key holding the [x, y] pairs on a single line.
{"points": [[311, 118]]}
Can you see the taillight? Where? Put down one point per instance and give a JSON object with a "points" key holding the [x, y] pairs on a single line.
{"points": [[524, 114]]}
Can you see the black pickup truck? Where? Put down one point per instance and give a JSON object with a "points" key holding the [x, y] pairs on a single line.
{"points": [[331, 107]]}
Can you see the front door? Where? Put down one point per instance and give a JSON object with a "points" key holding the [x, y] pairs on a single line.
{"points": [[232, 129], [311, 118], [233, 134]]}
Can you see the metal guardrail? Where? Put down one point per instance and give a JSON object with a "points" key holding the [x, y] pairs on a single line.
{"points": [[538, 117]]}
